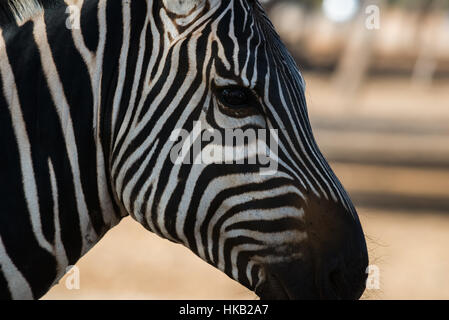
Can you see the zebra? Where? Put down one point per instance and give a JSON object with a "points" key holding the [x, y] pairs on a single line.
{"points": [[91, 93]]}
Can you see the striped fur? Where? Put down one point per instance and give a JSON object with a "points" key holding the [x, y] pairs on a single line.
{"points": [[85, 122], [21, 10]]}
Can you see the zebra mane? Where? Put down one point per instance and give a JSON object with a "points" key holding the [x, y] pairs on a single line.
{"points": [[21, 10]]}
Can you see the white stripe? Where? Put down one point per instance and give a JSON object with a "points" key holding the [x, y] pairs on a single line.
{"points": [[17, 284], [122, 64], [59, 250], [102, 184]]}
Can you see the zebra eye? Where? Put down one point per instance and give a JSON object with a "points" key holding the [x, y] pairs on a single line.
{"points": [[235, 97]]}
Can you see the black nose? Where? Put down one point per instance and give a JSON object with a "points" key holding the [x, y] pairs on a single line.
{"points": [[342, 278], [338, 248], [302, 280], [333, 260]]}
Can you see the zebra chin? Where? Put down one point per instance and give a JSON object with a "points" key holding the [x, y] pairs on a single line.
{"points": [[297, 280]]}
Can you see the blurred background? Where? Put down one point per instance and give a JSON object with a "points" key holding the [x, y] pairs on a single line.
{"points": [[377, 75]]}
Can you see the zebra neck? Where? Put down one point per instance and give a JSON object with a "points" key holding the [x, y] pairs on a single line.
{"points": [[55, 82], [129, 52], [61, 95]]}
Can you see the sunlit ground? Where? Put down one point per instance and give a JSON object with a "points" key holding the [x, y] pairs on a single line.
{"points": [[131, 263]]}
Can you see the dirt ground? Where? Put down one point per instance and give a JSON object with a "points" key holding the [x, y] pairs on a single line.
{"points": [[131, 263], [411, 252]]}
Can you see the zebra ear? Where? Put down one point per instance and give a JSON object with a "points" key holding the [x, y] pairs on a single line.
{"points": [[183, 7]]}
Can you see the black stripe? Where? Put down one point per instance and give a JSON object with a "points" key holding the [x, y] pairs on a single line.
{"points": [[89, 24]]}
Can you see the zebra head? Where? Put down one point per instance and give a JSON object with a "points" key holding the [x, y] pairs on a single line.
{"points": [[268, 211]]}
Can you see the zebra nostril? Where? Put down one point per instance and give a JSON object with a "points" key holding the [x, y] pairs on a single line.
{"points": [[343, 281]]}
